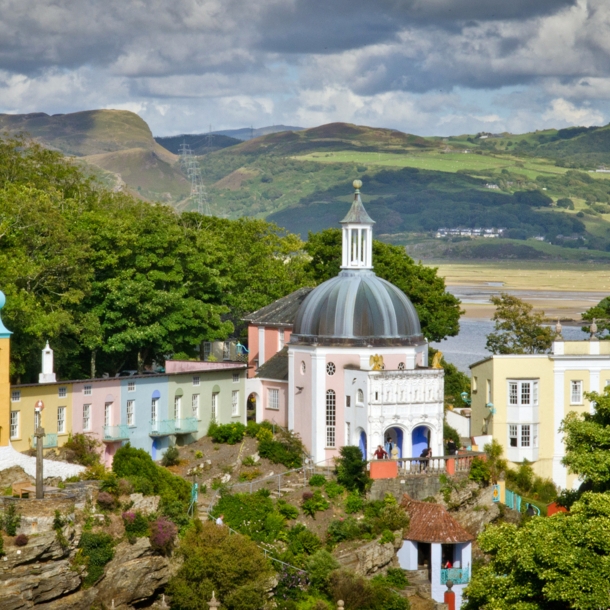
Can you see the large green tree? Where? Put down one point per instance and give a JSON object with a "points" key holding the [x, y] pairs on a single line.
{"points": [[517, 330], [601, 314], [439, 311], [556, 563]]}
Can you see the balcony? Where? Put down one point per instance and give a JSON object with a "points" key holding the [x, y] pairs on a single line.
{"points": [[458, 576], [115, 434], [48, 441], [167, 427]]}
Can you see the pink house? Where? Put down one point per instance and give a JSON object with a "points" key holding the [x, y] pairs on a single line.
{"points": [[96, 410]]}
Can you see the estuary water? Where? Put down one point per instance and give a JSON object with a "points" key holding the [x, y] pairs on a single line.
{"points": [[468, 346]]}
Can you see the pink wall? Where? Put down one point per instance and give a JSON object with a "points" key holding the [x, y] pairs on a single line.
{"points": [[253, 350], [186, 366], [279, 417], [303, 399], [102, 391], [336, 382]]}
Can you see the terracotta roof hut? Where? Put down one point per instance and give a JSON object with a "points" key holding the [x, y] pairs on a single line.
{"points": [[432, 523]]}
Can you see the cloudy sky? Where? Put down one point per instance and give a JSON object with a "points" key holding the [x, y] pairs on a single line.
{"points": [[432, 67]]}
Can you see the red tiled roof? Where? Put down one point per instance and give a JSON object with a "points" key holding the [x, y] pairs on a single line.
{"points": [[432, 523]]}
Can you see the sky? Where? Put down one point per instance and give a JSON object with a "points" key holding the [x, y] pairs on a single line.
{"points": [[429, 67]]}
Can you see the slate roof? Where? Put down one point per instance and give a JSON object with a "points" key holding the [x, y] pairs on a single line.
{"points": [[281, 312], [357, 214], [275, 368], [431, 522]]}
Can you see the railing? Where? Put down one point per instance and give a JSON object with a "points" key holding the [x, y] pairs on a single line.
{"points": [[512, 500], [116, 433], [167, 427], [458, 576], [48, 441], [435, 464]]}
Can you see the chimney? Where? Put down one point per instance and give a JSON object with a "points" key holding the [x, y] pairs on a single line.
{"points": [[47, 375]]}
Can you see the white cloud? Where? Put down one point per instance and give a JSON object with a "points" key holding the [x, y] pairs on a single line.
{"points": [[565, 113]]}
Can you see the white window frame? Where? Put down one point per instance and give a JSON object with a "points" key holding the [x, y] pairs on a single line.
{"points": [[87, 390], [235, 403], [14, 425], [273, 399], [214, 410], [107, 414], [177, 407], [235, 377], [196, 380], [281, 340], [331, 368], [195, 400], [576, 399], [519, 434], [131, 386], [62, 392], [518, 389], [359, 398], [87, 417], [61, 420], [331, 419], [154, 410], [16, 396], [348, 401], [489, 390], [526, 436], [131, 412], [513, 434]]}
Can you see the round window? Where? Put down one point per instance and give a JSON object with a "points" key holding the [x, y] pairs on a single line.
{"points": [[401, 366], [303, 367], [331, 368]]}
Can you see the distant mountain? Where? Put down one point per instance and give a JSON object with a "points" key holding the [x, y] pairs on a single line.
{"points": [[116, 141], [249, 133], [200, 144]]}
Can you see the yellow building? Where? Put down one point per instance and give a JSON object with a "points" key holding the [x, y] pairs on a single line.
{"points": [[521, 400], [5, 385], [56, 417]]}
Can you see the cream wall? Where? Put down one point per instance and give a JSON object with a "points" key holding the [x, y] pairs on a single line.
{"points": [[5, 391]]}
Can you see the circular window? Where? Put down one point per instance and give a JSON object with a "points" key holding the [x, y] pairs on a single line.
{"points": [[303, 367], [401, 366], [331, 368]]}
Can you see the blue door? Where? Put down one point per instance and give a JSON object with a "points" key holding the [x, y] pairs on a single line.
{"points": [[362, 445], [421, 440]]}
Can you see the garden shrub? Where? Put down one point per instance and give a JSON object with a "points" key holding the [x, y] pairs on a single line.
{"points": [[125, 487], [393, 517], [11, 520], [230, 434], [317, 480], [213, 560], [319, 567], [105, 500], [136, 524], [97, 550], [252, 429], [394, 577], [302, 541], [198, 455], [340, 530], [354, 503], [94, 472], [292, 585], [479, 471], [314, 504], [248, 461], [250, 475], [141, 485], [333, 489], [21, 540], [358, 593], [84, 449], [351, 469], [287, 448], [386, 536], [110, 483], [287, 510], [162, 535], [171, 457]]}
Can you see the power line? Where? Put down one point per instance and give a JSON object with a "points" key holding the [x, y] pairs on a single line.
{"points": [[190, 167]]}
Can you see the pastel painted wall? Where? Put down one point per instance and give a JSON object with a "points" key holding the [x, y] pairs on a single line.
{"points": [[50, 395], [5, 390], [271, 344], [301, 407], [253, 352], [278, 416]]}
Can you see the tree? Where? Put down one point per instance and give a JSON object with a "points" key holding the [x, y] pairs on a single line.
{"points": [[351, 469], [214, 560], [517, 329], [556, 563], [439, 311], [587, 442], [601, 314]]}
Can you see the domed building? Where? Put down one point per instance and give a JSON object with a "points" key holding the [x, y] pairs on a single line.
{"points": [[355, 368]]}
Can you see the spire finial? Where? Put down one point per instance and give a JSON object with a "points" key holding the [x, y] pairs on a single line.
{"points": [[357, 184]]}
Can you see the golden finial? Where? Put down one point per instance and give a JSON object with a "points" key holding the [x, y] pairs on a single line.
{"points": [[357, 184]]}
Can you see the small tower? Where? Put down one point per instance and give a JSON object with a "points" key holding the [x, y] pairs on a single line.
{"points": [[47, 375], [357, 235]]}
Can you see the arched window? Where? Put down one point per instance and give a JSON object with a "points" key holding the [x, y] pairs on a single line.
{"points": [[331, 418], [360, 397]]}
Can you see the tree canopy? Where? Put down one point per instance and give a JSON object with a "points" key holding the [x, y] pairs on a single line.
{"points": [[601, 314], [517, 329], [438, 311]]}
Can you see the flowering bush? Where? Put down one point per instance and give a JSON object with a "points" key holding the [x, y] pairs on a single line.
{"points": [[291, 584], [105, 500], [21, 540], [227, 433], [162, 535], [316, 503], [135, 524]]}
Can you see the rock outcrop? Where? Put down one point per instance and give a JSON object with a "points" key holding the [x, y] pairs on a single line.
{"points": [[367, 559]]}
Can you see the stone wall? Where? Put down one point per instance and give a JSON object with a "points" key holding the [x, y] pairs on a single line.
{"points": [[369, 558], [418, 488]]}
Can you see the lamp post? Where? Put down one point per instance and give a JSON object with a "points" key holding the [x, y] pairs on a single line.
{"points": [[39, 434]]}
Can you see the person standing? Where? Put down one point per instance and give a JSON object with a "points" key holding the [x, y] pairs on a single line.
{"points": [[451, 447], [380, 453], [220, 520]]}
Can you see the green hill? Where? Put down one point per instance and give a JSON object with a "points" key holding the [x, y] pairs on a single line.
{"points": [[200, 144], [116, 141]]}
